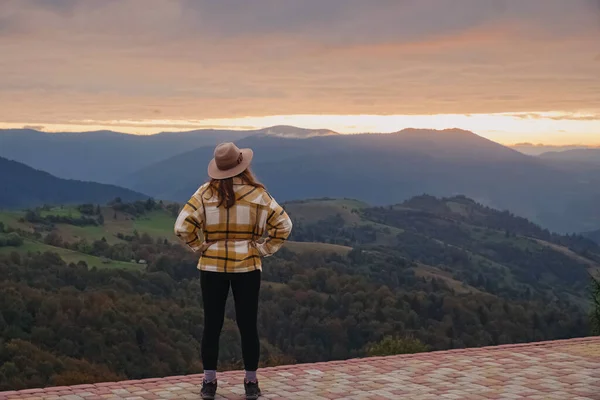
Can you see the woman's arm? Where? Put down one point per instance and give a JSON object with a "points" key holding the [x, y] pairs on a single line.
{"points": [[190, 222], [279, 227]]}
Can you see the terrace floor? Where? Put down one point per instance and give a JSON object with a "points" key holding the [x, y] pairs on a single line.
{"points": [[566, 369]]}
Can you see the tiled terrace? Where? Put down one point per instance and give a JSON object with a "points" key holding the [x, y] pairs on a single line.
{"points": [[568, 369]]}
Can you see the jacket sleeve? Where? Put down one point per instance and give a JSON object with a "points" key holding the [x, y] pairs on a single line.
{"points": [[279, 228], [190, 223]]}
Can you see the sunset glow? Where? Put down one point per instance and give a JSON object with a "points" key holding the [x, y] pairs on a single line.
{"points": [[512, 71], [549, 128]]}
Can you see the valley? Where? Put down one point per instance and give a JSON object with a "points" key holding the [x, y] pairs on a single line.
{"points": [[96, 286], [447, 272]]}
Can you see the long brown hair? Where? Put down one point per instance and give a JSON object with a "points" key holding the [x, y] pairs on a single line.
{"points": [[224, 187]]}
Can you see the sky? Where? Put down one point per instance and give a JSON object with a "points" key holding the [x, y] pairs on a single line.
{"points": [[510, 70]]}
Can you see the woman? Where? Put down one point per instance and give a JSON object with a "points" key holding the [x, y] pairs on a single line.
{"points": [[225, 221]]}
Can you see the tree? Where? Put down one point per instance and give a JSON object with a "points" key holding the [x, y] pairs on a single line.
{"points": [[53, 239], [150, 204], [12, 239], [87, 209], [595, 314]]}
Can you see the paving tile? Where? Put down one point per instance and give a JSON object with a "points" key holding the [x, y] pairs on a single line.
{"points": [[564, 369]]}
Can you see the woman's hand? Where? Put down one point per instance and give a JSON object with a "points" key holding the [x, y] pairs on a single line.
{"points": [[205, 245]]}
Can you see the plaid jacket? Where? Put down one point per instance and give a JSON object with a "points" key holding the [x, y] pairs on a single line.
{"points": [[231, 240]]}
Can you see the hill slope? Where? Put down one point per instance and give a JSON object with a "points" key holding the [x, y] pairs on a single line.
{"points": [[383, 169], [468, 246], [23, 186], [457, 240]]}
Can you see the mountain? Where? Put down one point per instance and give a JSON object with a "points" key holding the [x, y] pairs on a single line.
{"points": [[591, 155], [102, 156], [23, 186], [594, 235], [390, 168], [537, 149], [377, 168]]}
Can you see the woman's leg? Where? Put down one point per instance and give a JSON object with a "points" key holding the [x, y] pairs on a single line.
{"points": [[215, 288], [246, 288]]}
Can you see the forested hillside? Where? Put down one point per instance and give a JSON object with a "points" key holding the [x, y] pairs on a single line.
{"points": [[446, 272]]}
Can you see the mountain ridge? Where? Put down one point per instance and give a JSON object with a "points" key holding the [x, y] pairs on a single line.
{"points": [[538, 149], [25, 186], [103, 156], [390, 168], [377, 168], [587, 155]]}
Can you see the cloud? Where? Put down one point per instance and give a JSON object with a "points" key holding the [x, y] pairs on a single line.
{"points": [[124, 59], [34, 127], [558, 116]]}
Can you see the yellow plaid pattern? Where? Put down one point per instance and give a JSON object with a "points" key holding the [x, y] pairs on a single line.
{"points": [[231, 240]]}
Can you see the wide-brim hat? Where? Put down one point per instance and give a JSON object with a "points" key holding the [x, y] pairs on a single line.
{"points": [[229, 161]]}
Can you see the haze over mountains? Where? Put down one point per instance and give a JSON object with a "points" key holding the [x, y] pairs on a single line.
{"points": [[100, 156], [377, 168], [538, 149], [589, 155], [105, 156]]}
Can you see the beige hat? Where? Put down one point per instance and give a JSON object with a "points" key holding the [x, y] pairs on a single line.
{"points": [[229, 161]]}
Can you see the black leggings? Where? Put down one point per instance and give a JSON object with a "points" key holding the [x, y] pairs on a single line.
{"points": [[215, 289]]}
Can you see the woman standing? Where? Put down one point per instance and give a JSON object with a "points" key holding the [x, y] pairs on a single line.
{"points": [[225, 221]]}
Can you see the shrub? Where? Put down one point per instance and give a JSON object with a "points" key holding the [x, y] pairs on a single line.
{"points": [[390, 346]]}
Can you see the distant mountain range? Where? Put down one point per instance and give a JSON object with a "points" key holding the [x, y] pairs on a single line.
{"points": [[538, 149], [590, 155], [383, 169], [22, 186], [376, 168], [105, 156]]}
